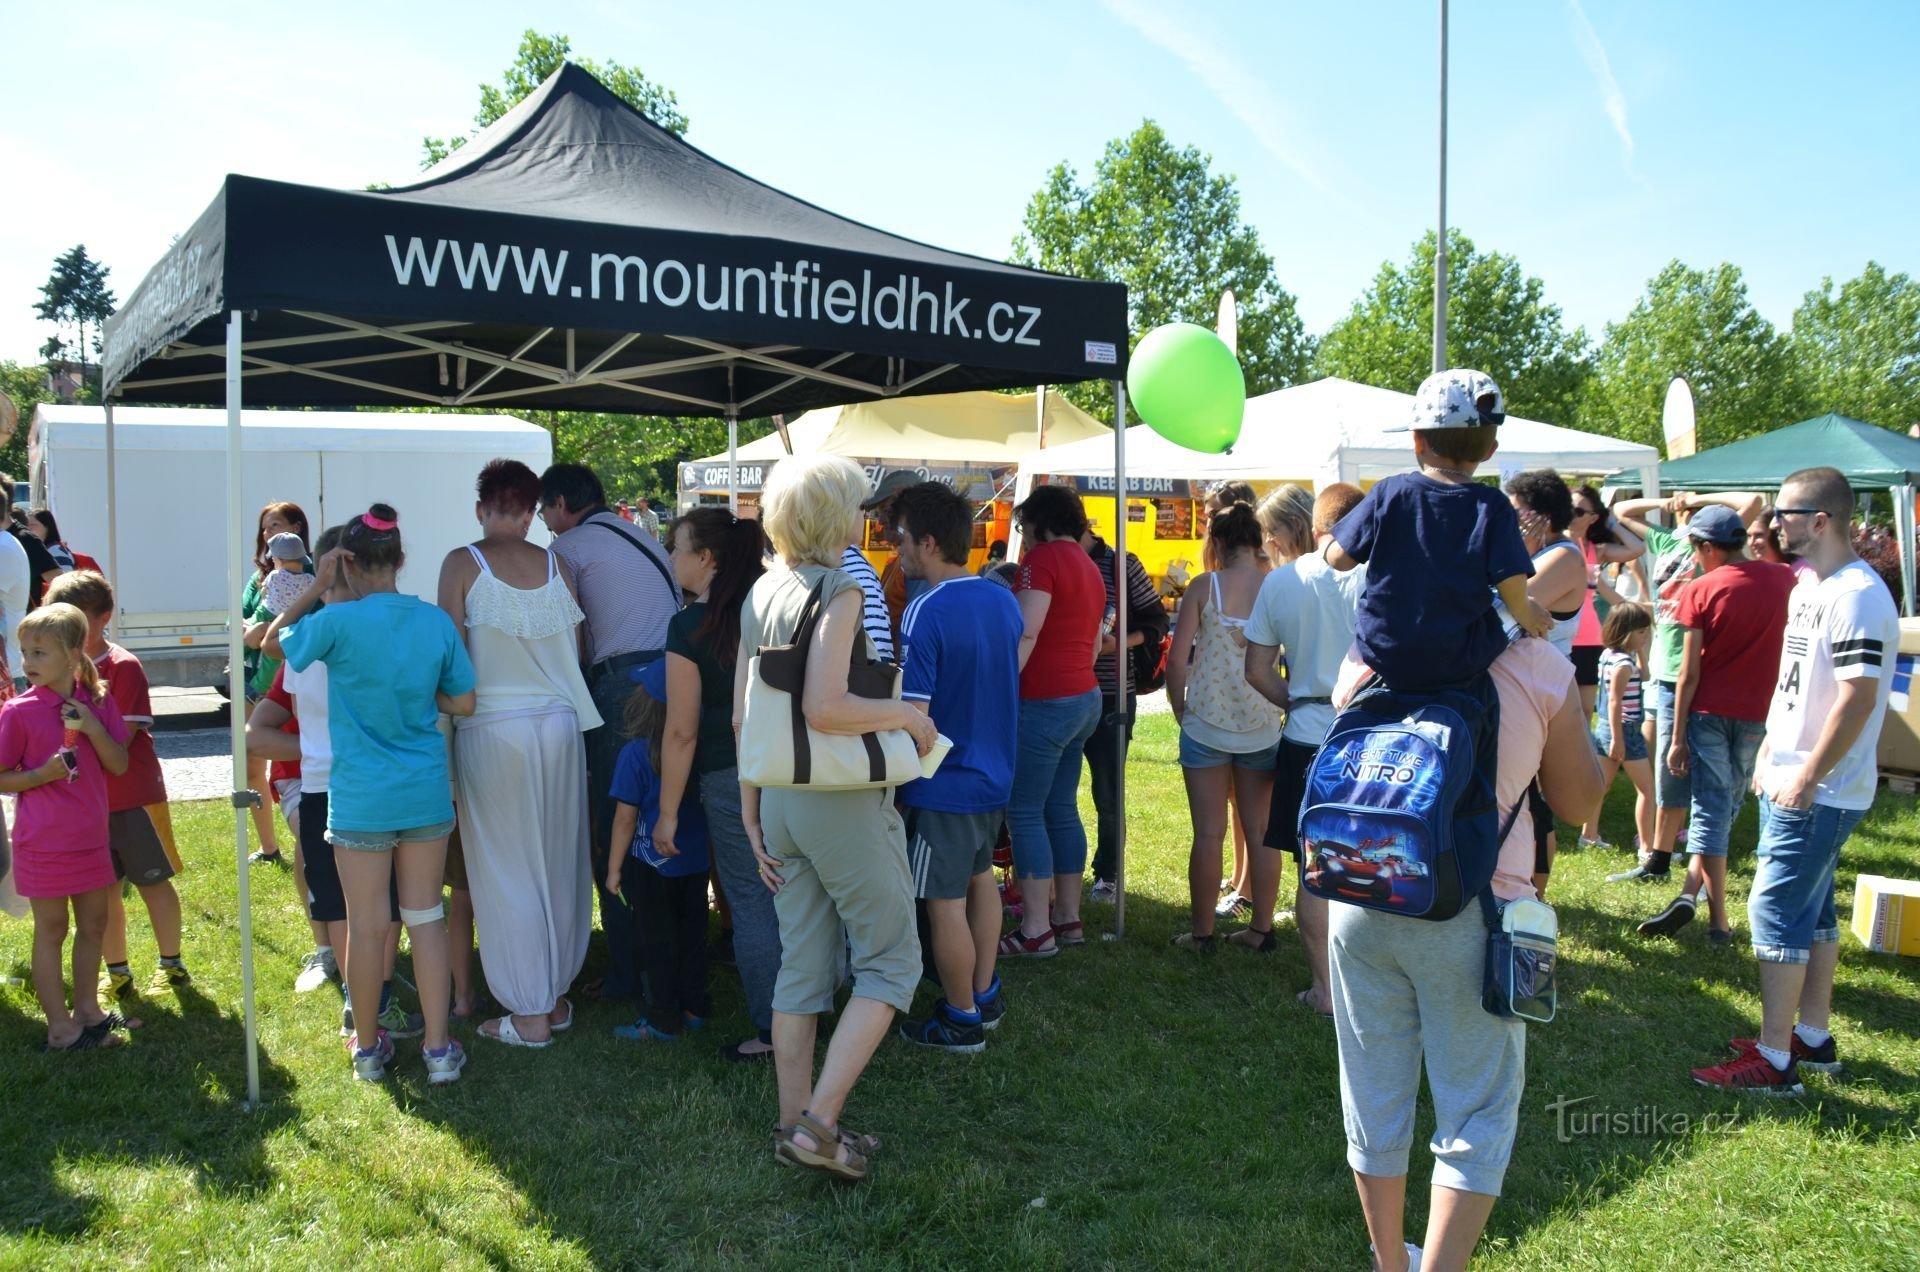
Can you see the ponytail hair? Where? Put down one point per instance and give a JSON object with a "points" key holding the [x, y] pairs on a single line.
{"points": [[66, 626], [374, 539], [739, 548], [1235, 527]]}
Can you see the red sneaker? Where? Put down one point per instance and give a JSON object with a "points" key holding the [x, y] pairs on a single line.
{"points": [[1821, 1059], [1754, 1073]]}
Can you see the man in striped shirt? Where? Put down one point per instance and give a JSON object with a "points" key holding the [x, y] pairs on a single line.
{"points": [[627, 588]]}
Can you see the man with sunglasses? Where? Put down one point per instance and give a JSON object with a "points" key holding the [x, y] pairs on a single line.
{"points": [[1815, 776]]}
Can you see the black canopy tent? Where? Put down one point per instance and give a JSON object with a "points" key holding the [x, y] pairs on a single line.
{"points": [[575, 256]]}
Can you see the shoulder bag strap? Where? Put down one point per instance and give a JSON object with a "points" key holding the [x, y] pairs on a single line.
{"points": [[673, 588]]}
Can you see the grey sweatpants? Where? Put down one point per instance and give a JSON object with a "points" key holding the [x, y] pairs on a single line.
{"points": [[1405, 990]]}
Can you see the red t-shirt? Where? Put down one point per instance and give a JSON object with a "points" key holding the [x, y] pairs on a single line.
{"points": [[126, 682], [280, 770], [1061, 664], [1740, 611]]}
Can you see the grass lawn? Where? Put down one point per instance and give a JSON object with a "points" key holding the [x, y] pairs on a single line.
{"points": [[1140, 1107]]}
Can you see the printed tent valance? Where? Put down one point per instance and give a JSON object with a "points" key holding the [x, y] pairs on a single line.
{"points": [[576, 256]]}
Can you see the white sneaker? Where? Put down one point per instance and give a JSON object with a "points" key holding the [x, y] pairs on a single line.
{"points": [[316, 969], [1231, 905], [1413, 1256], [1594, 843], [445, 1068], [1103, 891]]}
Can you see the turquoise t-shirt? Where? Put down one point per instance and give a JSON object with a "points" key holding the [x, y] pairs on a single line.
{"points": [[387, 655]]}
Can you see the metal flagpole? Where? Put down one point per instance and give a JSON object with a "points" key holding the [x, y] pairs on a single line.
{"points": [[243, 799], [1122, 668], [733, 449], [1440, 242]]}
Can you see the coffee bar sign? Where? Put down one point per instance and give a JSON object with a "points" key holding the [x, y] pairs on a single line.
{"points": [[978, 484]]}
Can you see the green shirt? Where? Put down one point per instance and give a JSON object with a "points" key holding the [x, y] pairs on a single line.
{"points": [[1670, 567], [714, 749]]}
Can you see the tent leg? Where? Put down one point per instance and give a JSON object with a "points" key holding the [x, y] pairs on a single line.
{"points": [[733, 464], [1904, 519], [243, 799], [113, 504], [1123, 672]]}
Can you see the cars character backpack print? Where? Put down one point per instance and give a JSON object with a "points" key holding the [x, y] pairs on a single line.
{"points": [[1400, 813]]}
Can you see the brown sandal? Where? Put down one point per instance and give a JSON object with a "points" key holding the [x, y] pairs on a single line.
{"points": [[865, 1145], [853, 1166]]}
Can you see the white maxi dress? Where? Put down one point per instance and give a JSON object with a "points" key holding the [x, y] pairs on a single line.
{"points": [[521, 788]]}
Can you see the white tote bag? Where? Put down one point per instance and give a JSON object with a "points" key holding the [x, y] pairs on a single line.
{"points": [[779, 748]]}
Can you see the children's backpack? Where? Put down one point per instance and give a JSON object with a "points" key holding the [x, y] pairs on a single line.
{"points": [[1150, 663], [1400, 813]]}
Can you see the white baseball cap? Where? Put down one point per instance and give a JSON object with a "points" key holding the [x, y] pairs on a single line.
{"points": [[1456, 398]]}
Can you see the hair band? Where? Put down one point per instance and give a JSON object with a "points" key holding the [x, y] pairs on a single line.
{"points": [[376, 523]]}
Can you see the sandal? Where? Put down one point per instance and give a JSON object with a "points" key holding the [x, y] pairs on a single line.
{"points": [[1259, 942], [641, 1031], [1304, 998], [1074, 933], [842, 1162], [1014, 945], [566, 1024], [91, 1038], [1194, 941], [503, 1031], [114, 1020], [865, 1145]]}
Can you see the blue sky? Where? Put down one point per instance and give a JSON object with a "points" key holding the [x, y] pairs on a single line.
{"points": [[1593, 139]]}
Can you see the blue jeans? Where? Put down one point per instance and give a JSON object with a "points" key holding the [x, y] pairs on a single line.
{"points": [[1791, 907], [1721, 751], [1669, 790], [756, 932], [1043, 813]]}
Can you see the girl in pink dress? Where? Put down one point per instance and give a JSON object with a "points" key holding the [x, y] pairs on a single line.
{"points": [[58, 741]]}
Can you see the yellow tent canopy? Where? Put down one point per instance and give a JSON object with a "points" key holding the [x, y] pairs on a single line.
{"points": [[947, 431]]}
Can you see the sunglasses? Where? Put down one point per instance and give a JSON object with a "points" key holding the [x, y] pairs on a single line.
{"points": [[1779, 513]]}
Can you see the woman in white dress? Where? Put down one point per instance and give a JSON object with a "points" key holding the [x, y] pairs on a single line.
{"points": [[520, 761]]}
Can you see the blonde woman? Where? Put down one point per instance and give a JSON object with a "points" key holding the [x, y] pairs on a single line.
{"points": [[835, 861]]}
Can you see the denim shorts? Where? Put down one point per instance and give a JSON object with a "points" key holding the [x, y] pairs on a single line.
{"points": [[1721, 752], [1669, 790], [1791, 907], [1636, 741], [1198, 755], [384, 840]]}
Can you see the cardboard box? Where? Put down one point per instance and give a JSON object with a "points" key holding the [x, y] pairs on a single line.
{"points": [[1886, 914], [1900, 735]]}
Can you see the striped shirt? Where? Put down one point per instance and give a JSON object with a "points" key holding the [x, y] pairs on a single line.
{"points": [[1631, 709], [874, 616], [1145, 613], [627, 599]]}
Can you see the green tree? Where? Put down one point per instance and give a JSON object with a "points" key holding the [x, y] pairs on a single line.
{"points": [[1156, 218], [1498, 321], [75, 296], [26, 385], [1699, 324], [639, 456], [1858, 351], [540, 56]]}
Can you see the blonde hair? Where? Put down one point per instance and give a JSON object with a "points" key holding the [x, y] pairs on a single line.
{"points": [[67, 627], [810, 507], [1286, 516], [85, 590]]}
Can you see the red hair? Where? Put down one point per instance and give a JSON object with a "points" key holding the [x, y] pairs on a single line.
{"points": [[509, 486], [288, 512]]}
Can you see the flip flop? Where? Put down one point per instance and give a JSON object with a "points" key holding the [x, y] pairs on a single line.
{"points": [[505, 1032], [91, 1038], [566, 1024]]}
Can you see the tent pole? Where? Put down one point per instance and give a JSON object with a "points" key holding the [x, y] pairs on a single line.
{"points": [[733, 449], [113, 509], [1122, 670], [1904, 525], [243, 799]]}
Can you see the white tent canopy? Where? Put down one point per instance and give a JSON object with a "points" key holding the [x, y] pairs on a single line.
{"points": [[1335, 430]]}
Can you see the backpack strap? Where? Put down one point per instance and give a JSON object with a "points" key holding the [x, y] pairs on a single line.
{"points": [[673, 588]]}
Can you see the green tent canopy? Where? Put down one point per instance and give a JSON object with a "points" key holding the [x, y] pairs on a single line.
{"points": [[1872, 458]]}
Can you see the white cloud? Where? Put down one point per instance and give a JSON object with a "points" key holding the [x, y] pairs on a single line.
{"points": [[1612, 100], [1242, 92]]}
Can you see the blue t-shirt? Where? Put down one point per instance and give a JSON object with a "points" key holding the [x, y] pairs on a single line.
{"points": [[1434, 549], [960, 654], [387, 655], [635, 783]]}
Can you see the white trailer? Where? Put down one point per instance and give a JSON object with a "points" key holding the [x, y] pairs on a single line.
{"points": [[170, 473]]}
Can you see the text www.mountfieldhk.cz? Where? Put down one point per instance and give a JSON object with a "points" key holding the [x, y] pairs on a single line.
{"points": [[801, 292]]}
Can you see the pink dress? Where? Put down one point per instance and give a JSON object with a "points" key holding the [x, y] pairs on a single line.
{"points": [[59, 829]]}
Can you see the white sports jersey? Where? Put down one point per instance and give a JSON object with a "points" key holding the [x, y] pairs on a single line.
{"points": [[1842, 627]]}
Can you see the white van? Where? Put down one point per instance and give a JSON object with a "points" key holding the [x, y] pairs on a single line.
{"points": [[170, 465]]}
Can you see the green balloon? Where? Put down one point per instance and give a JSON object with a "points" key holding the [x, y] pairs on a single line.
{"points": [[1186, 384]]}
